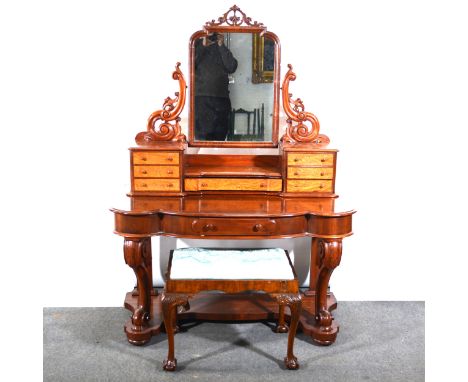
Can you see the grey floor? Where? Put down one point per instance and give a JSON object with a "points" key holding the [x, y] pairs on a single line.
{"points": [[378, 341]]}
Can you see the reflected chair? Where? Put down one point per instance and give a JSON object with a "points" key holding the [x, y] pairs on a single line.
{"points": [[254, 130]]}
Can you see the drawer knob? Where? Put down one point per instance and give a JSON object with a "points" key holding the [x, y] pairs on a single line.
{"points": [[296, 159], [296, 173], [170, 185], [322, 160], [143, 159], [170, 159], [263, 185], [257, 227], [321, 185], [144, 185], [144, 172], [208, 227], [204, 184], [170, 172], [322, 174]]}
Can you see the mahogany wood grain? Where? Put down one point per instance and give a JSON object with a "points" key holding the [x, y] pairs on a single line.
{"points": [[230, 208], [250, 166], [244, 216], [235, 22], [178, 291], [235, 307]]}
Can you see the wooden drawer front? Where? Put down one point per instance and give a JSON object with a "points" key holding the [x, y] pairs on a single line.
{"points": [[310, 172], [156, 184], [156, 171], [226, 227], [309, 186], [232, 184], [311, 159], [153, 157]]}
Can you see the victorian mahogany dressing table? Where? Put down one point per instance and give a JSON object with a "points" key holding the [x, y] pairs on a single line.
{"points": [[286, 195]]}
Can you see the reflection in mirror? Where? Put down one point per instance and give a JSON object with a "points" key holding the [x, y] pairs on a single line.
{"points": [[233, 87]]}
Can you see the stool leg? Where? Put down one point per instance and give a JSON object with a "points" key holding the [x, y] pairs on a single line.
{"points": [[281, 326], [294, 302], [170, 302]]}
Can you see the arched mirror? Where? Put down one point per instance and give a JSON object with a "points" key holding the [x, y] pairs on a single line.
{"points": [[234, 83]]}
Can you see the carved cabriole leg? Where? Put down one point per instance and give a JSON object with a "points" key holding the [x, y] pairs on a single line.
{"points": [[137, 253], [170, 302], [329, 258], [294, 302]]}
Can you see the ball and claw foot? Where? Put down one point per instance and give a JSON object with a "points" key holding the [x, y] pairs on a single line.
{"points": [[291, 363], [281, 329], [170, 365]]}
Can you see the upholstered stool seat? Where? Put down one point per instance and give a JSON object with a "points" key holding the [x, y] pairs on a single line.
{"points": [[193, 270]]}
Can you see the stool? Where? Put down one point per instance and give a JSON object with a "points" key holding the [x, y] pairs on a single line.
{"points": [[193, 270]]}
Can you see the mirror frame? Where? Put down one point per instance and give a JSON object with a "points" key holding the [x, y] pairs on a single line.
{"points": [[235, 26]]}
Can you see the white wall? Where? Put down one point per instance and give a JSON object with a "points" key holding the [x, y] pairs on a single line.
{"points": [[79, 78]]}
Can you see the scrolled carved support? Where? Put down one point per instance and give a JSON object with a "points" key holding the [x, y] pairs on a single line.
{"points": [[303, 127], [137, 254], [329, 258], [170, 112], [170, 303]]}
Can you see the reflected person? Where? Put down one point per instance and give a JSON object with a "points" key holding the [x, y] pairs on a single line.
{"points": [[213, 62]]}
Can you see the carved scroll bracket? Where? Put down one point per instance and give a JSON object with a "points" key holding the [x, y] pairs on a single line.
{"points": [[329, 259], [172, 107], [303, 126]]}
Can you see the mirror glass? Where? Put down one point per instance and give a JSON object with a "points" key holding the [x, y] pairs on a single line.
{"points": [[233, 93]]}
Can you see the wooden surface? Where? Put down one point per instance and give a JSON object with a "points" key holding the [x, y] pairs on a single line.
{"points": [[177, 293], [243, 216], [234, 197], [234, 20], [232, 184], [156, 171], [231, 307]]}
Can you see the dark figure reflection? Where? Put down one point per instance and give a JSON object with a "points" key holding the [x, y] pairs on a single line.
{"points": [[213, 62]]}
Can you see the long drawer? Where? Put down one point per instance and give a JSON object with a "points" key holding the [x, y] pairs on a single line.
{"points": [[232, 184]]}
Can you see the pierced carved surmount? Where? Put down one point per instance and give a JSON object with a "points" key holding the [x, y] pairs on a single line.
{"points": [[234, 17], [170, 112], [297, 129]]}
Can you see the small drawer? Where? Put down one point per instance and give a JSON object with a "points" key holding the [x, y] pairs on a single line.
{"points": [[309, 186], [156, 171], [232, 184], [310, 159], [169, 185], [310, 172], [227, 227], [155, 157]]}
